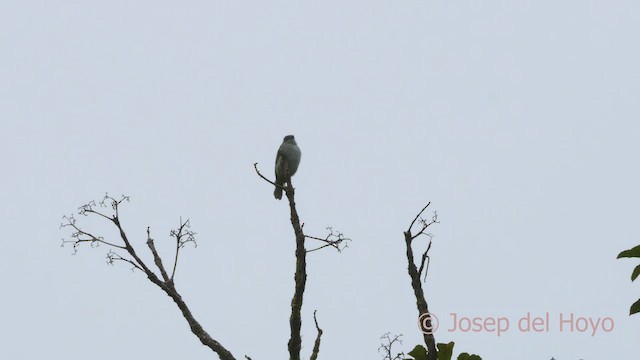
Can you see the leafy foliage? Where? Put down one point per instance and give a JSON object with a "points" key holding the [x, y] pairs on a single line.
{"points": [[445, 352], [635, 273], [635, 308], [466, 356], [418, 353], [633, 253]]}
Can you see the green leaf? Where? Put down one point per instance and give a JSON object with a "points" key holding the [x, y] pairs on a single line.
{"points": [[635, 273], [631, 253], [466, 356], [445, 351], [635, 308], [419, 353]]}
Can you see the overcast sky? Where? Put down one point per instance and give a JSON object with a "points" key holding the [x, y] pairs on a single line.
{"points": [[518, 120]]}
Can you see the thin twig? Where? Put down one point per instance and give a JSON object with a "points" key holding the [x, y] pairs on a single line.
{"points": [[112, 257], [386, 348], [255, 166], [425, 225], [418, 215], [183, 236], [333, 239], [175, 260], [70, 221]]}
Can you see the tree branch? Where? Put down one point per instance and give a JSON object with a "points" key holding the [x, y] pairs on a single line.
{"points": [[156, 257], [418, 215], [316, 345], [386, 348], [425, 256], [333, 239], [300, 277], [425, 225], [414, 274], [255, 166], [113, 256], [77, 234], [182, 236]]}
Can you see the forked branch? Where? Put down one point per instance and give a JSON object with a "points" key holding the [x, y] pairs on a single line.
{"points": [[183, 235], [415, 273], [334, 239], [386, 348]]}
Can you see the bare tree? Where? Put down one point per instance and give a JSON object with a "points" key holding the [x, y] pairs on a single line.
{"points": [[416, 273], [123, 250]]}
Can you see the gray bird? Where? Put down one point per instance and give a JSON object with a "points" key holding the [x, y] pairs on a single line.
{"points": [[289, 154]]}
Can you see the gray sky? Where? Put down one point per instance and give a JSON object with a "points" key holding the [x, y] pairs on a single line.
{"points": [[518, 120]]}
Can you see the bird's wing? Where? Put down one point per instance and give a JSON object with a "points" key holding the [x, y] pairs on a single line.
{"points": [[281, 153]]}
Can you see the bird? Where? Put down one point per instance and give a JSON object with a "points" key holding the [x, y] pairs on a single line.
{"points": [[288, 157]]}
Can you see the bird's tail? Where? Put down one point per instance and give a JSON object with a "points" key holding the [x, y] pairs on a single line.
{"points": [[277, 193]]}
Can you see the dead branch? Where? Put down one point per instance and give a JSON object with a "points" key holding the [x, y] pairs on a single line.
{"points": [[425, 225], [415, 273], [156, 258], [300, 277], [255, 166], [79, 236], [334, 239], [295, 322], [183, 236], [113, 256], [425, 256], [387, 345], [316, 345]]}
